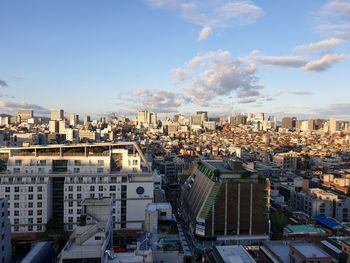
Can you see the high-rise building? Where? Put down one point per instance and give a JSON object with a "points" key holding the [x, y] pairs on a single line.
{"points": [[153, 118], [333, 125], [62, 125], [87, 120], [57, 115], [287, 123], [5, 232], [53, 126], [49, 182], [74, 120], [224, 199], [24, 115]]}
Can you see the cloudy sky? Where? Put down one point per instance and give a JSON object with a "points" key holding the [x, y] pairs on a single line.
{"points": [[224, 56]]}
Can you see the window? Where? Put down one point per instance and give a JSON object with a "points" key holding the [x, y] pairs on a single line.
{"points": [[30, 204], [16, 189], [30, 212], [70, 211], [30, 189], [70, 196], [70, 188], [99, 170], [16, 205], [112, 188], [79, 188], [30, 228], [39, 204], [100, 162], [40, 188], [40, 197], [92, 195], [16, 221], [39, 228], [18, 162], [16, 170], [100, 195], [16, 197], [77, 162], [76, 170], [92, 188], [16, 213], [78, 196], [100, 188], [42, 162], [30, 197], [78, 211], [30, 220], [41, 170], [7, 189], [70, 204], [39, 212], [70, 219]]}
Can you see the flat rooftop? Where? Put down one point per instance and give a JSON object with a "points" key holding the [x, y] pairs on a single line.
{"points": [[234, 254], [304, 229], [309, 250], [279, 249]]}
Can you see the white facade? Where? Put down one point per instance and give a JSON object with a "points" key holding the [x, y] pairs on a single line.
{"points": [[5, 232], [50, 183]]}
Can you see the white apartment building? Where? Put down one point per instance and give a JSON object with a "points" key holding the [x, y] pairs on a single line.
{"points": [[46, 182], [5, 232]]}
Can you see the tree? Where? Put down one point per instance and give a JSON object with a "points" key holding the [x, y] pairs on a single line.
{"points": [[279, 220]]}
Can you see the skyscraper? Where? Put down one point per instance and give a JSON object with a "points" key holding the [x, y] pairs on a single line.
{"points": [[333, 125], [57, 115]]}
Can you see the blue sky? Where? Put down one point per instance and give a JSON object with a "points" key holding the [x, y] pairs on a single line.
{"points": [[94, 57]]}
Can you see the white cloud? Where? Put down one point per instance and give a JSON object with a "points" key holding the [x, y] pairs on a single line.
{"points": [[282, 61], [216, 74], [323, 44], [334, 19], [157, 100], [317, 64], [211, 14], [11, 107], [205, 33], [324, 62]]}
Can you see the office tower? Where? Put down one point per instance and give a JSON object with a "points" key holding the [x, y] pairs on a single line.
{"points": [[152, 118], [310, 125], [53, 126], [224, 199], [74, 120], [24, 115], [333, 125], [287, 123], [5, 232], [62, 125], [142, 117], [87, 120], [57, 115], [48, 183], [259, 117], [294, 122]]}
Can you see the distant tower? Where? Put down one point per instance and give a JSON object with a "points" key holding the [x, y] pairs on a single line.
{"points": [[57, 115]]}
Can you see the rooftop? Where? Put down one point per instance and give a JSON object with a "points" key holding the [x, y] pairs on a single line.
{"points": [[234, 254], [309, 250], [304, 229]]}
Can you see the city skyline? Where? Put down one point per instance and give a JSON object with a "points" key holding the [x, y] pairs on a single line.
{"points": [[219, 56]]}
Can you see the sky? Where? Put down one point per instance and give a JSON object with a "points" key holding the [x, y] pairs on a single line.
{"points": [[224, 56]]}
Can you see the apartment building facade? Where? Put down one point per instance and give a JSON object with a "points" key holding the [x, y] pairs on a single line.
{"points": [[49, 182]]}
